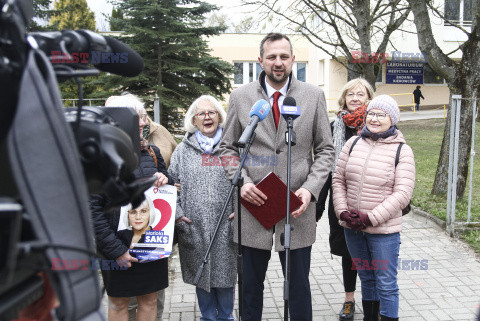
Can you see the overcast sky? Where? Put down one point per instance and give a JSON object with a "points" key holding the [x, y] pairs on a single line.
{"points": [[231, 7], [100, 7]]}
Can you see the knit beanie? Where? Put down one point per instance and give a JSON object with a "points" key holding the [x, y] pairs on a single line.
{"points": [[388, 105]]}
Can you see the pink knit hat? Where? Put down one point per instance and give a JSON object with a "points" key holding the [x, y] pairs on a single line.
{"points": [[388, 105]]}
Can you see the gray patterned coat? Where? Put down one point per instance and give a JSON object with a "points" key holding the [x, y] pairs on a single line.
{"points": [[204, 189]]}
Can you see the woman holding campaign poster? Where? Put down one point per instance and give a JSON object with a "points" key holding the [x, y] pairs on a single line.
{"points": [[116, 235], [196, 166]]}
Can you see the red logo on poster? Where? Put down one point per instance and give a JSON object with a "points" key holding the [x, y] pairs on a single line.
{"points": [[166, 212]]}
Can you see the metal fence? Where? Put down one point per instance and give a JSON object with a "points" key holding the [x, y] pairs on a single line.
{"points": [[86, 102], [456, 106]]}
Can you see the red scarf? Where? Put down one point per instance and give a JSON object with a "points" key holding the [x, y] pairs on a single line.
{"points": [[355, 119]]}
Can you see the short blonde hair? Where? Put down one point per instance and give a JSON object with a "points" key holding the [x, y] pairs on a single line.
{"points": [[188, 122], [148, 202], [342, 101], [128, 100]]}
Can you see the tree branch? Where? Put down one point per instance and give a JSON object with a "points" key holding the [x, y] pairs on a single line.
{"points": [[427, 43], [392, 26], [442, 16]]}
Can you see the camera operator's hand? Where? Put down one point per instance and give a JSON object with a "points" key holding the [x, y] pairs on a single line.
{"points": [[161, 179], [125, 259]]}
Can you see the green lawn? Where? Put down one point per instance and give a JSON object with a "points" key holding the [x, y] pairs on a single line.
{"points": [[425, 138]]}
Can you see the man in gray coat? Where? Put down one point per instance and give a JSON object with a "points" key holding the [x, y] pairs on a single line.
{"points": [[312, 159]]}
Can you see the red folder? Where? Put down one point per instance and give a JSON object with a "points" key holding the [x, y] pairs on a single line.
{"points": [[274, 209]]}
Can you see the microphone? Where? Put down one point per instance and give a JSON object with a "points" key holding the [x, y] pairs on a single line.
{"points": [[75, 47], [131, 68], [289, 108], [258, 113]]}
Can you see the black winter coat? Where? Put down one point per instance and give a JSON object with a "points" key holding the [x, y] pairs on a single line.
{"points": [[338, 246], [417, 93], [106, 224]]}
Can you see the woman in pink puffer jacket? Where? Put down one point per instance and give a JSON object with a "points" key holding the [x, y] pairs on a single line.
{"points": [[369, 192]]}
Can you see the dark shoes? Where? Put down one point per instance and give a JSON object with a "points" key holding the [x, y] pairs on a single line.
{"points": [[346, 314], [371, 311]]}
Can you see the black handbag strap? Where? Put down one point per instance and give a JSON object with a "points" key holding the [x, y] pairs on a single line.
{"points": [[397, 157], [353, 144]]}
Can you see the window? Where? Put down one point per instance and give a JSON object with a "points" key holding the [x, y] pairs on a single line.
{"points": [[238, 73], [458, 12], [321, 72], [352, 74], [430, 76], [317, 20], [300, 71], [246, 72]]}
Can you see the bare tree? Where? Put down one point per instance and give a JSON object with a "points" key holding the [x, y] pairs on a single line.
{"points": [[224, 20], [245, 25], [462, 77], [218, 20], [340, 28]]}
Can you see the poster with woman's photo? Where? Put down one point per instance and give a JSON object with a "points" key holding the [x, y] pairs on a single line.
{"points": [[149, 228]]}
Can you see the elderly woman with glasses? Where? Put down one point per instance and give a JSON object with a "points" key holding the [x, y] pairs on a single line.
{"points": [[372, 184], [353, 101], [195, 164]]}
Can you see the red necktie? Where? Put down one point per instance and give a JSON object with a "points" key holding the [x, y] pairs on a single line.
{"points": [[276, 109]]}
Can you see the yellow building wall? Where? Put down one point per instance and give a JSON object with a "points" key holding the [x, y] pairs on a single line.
{"points": [[337, 78], [435, 95], [232, 47], [322, 71]]}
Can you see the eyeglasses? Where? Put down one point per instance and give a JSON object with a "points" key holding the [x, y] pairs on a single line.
{"points": [[359, 95], [211, 114], [143, 212], [380, 116]]}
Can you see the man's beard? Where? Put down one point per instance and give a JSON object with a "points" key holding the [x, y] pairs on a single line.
{"points": [[272, 78]]}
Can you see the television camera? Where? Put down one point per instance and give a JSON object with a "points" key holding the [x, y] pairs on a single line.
{"points": [[52, 158]]}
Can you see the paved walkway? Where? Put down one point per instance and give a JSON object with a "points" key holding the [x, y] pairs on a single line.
{"points": [[448, 289]]}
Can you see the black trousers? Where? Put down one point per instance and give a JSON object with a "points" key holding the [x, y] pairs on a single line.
{"points": [[349, 274], [255, 264]]}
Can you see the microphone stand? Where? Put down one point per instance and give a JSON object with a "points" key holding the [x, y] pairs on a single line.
{"points": [[290, 140], [237, 181]]}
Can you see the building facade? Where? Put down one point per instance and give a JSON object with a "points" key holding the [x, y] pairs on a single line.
{"points": [[404, 67]]}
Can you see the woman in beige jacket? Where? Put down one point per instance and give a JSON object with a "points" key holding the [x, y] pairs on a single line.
{"points": [[371, 186]]}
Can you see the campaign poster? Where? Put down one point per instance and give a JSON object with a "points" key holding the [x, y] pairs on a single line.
{"points": [[149, 228]]}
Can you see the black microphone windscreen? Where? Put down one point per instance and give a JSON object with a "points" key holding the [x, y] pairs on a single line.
{"points": [[129, 64], [289, 101]]}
